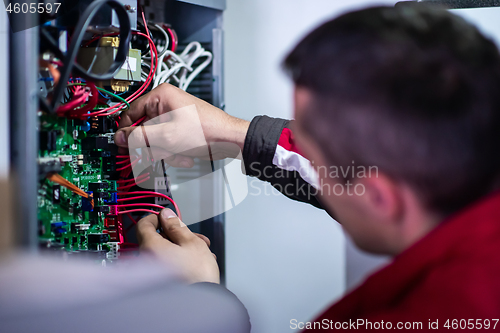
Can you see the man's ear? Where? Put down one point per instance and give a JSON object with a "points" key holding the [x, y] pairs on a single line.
{"points": [[383, 197]]}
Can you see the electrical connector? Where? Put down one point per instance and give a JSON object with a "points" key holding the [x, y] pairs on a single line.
{"points": [[113, 198], [113, 210], [98, 238]]}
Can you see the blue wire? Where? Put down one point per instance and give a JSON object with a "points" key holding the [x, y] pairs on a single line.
{"points": [[80, 79], [105, 97]]}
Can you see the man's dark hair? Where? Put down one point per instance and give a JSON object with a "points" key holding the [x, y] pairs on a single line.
{"points": [[414, 91]]}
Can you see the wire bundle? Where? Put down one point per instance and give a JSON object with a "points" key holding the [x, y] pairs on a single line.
{"points": [[179, 69], [81, 99], [124, 185], [70, 65], [57, 178], [79, 94], [145, 194], [121, 106]]}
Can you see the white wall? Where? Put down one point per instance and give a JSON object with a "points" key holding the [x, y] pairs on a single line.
{"points": [[486, 19], [284, 259]]}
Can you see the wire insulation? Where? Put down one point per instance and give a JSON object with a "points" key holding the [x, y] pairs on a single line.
{"points": [[77, 38]]}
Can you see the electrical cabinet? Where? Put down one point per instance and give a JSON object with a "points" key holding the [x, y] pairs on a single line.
{"points": [[74, 190]]}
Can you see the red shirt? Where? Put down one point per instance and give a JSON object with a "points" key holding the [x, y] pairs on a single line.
{"points": [[451, 276]]}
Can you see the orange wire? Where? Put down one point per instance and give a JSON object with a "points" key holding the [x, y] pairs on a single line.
{"points": [[57, 178]]}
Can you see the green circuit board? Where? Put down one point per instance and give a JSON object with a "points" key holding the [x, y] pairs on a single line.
{"points": [[80, 153]]}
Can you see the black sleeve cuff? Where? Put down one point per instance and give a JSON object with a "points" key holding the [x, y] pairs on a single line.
{"points": [[260, 143]]}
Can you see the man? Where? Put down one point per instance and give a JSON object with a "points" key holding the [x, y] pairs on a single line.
{"points": [[409, 93]]}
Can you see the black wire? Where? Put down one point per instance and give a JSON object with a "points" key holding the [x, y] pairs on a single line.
{"points": [[76, 40]]}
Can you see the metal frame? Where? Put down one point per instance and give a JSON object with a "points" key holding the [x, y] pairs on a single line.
{"points": [[215, 4], [23, 47]]}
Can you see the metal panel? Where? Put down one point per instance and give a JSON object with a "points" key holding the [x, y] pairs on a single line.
{"points": [[218, 68], [132, 13], [24, 139], [217, 226], [4, 95], [215, 4], [192, 22]]}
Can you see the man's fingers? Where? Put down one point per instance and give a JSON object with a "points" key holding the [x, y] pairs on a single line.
{"points": [[156, 154], [132, 137], [125, 120], [174, 228], [146, 228], [121, 136], [122, 151], [149, 105], [142, 136], [139, 108], [135, 112], [204, 238], [174, 160], [179, 161]]}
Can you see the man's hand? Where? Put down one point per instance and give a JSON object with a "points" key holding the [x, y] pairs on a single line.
{"points": [[177, 245], [178, 133]]}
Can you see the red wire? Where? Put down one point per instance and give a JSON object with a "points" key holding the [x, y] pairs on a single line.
{"points": [[141, 89], [173, 37], [126, 170], [79, 97], [93, 99], [126, 173], [132, 219], [125, 167], [132, 179], [114, 109], [135, 198], [157, 195], [132, 185], [140, 204], [145, 23], [138, 121], [138, 210], [119, 231], [121, 162], [134, 162]]}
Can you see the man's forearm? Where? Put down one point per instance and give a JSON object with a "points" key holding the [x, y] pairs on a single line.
{"points": [[237, 131]]}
